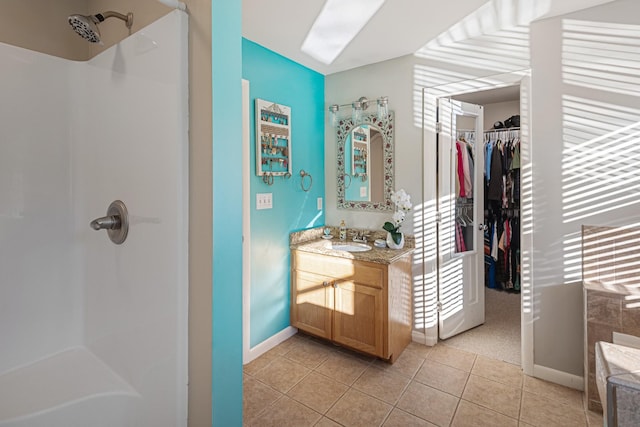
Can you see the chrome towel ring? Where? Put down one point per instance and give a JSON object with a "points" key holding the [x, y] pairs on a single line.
{"points": [[304, 174], [267, 178]]}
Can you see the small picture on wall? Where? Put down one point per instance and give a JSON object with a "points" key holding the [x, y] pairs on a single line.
{"points": [[273, 139]]}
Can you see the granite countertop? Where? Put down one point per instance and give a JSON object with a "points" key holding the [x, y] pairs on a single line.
{"points": [[311, 241], [376, 255]]}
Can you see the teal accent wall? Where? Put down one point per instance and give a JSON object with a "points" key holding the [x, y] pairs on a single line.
{"points": [[275, 78], [227, 213]]}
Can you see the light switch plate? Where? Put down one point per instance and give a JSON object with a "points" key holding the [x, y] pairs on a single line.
{"points": [[264, 201], [363, 191], [319, 203]]}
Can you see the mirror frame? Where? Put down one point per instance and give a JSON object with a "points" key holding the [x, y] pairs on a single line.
{"points": [[343, 130]]}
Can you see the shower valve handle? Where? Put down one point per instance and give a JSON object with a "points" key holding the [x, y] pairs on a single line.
{"points": [[111, 222], [116, 222]]}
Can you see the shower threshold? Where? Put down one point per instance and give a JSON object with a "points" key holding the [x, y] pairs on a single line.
{"points": [[53, 386]]}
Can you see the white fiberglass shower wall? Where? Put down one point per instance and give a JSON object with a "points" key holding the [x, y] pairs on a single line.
{"points": [[93, 333]]}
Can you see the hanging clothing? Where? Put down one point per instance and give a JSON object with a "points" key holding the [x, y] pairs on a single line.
{"points": [[495, 182], [515, 163], [488, 149], [460, 171], [460, 245], [468, 234], [464, 190], [471, 164], [494, 241], [515, 172], [502, 210], [468, 183]]}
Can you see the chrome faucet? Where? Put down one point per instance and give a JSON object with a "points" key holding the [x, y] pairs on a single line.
{"points": [[360, 236]]}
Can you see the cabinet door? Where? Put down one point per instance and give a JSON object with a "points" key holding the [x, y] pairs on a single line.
{"points": [[358, 317], [312, 303]]}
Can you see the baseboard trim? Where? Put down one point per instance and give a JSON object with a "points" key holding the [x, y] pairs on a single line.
{"points": [[418, 337], [270, 343], [559, 377], [421, 338]]}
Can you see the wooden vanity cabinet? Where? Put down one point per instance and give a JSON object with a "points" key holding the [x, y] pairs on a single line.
{"points": [[358, 304]]}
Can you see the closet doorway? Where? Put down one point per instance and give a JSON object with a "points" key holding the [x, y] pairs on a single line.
{"points": [[495, 143]]}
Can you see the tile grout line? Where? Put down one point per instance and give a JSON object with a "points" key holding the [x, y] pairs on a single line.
{"points": [[404, 390], [393, 406], [283, 394], [371, 363], [521, 401], [349, 386], [475, 360], [463, 389]]}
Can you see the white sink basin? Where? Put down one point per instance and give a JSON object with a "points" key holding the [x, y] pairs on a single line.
{"points": [[351, 247]]}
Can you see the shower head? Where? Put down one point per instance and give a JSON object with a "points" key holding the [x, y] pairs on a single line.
{"points": [[87, 26]]}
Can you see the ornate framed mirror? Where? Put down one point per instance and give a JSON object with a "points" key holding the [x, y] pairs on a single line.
{"points": [[365, 163]]}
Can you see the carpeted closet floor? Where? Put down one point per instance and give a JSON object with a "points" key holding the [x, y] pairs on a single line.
{"points": [[499, 337]]}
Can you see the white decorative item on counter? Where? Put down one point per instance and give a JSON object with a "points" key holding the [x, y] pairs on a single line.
{"points": [[379, 243], [392, 244], [402, 202]]}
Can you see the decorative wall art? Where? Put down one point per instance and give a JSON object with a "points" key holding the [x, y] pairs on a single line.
{"points": [[273, 140], [364, 183]]}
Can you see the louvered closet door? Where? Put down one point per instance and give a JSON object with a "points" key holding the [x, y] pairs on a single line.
{"points": [[461, 240]]}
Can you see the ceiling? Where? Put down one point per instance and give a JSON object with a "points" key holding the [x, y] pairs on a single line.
{"points": [[400, 27]]}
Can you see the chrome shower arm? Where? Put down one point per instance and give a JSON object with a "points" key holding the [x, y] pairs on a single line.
{"points": [[87, 26], [128, 18]]}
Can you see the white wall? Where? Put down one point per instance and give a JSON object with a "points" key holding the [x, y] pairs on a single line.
{"points": [[403, 80], [373, 81], [40, 298], [130, 143], [77, 136], [585, 158], [41, 25], [499, 112], [606, 103]]}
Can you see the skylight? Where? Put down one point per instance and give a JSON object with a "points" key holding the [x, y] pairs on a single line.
{"points": [[336, 25]]}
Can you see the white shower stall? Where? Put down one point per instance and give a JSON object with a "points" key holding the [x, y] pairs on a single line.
{"points": [[93, 333]]}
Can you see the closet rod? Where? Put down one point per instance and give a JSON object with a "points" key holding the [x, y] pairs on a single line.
{"points": [[501, 130], [488, 131]]}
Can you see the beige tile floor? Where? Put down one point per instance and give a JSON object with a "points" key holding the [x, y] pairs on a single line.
{"points": [[309, 382]]}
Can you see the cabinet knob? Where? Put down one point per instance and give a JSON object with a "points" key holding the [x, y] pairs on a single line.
{"points": [[335, 285], [325, 283]]}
